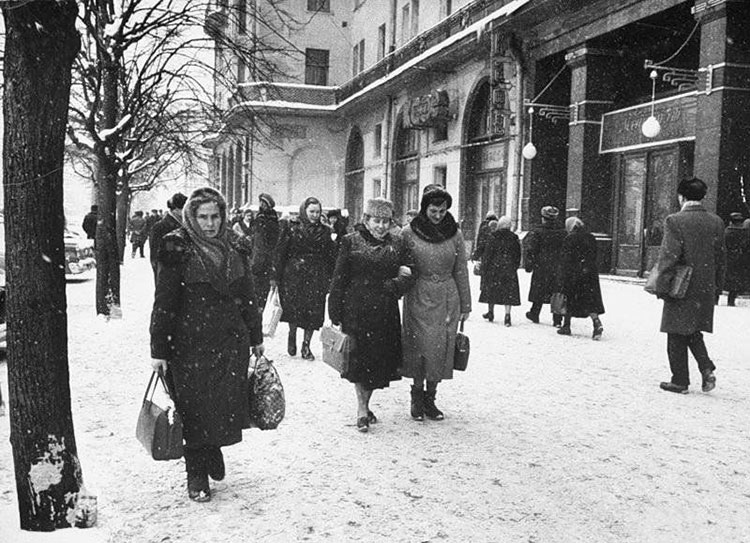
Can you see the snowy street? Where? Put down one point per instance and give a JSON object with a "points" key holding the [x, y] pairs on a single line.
{"points": [[547, 438]]}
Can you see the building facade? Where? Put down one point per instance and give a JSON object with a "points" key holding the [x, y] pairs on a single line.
{"points": [[511, 105]]}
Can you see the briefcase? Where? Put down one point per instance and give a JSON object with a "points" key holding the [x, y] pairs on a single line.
{"points": [[337, 347]]}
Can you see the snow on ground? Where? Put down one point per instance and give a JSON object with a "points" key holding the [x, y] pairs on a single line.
{"points": [[546, 439]]}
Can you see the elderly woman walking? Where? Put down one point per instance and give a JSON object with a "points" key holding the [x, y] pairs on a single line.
{"points": [[502, 257], [371, 275], [579, 278], [303, 264], [204, 324], [439, 300]]}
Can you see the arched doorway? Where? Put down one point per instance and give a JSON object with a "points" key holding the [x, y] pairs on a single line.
{"points": [[405, 169], [485, 159], [354, 176]]}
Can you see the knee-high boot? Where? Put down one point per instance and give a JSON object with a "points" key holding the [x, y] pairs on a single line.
{"points": [[197, 475], [291, 343], [417, 403], [306, 352]]}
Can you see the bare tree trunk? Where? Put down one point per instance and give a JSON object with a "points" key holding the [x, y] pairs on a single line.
{"points": [[40, 44], [107, 251], [123, 212]]}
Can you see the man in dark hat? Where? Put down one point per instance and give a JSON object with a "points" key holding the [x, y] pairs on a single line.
{"points": [[89, 222], [737, 241], [542, 247], [170, 221], [265, 234]]}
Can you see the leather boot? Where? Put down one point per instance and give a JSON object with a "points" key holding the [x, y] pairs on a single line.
{"points": [[214, 463], [305, 351], [291, 342], [197, 478], [430, 409], [417, 403]]}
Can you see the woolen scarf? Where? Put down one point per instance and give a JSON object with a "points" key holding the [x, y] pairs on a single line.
{"points": [[221, 265]]}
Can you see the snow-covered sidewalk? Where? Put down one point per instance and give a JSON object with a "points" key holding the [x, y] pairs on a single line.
{"points": [[546, 439]]}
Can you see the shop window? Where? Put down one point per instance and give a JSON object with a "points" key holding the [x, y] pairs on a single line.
{"points": [[319, 5], [316, 67], [378, 139]]}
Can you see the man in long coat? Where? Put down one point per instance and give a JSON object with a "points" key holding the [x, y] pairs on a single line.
{"points": [[171, 221], [692, 237], [542, 248]]}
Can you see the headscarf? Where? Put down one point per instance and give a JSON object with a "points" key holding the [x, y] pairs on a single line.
{"points": [[503, 223], [573, 223], [221, 264], [315, 230], [424, 227]]}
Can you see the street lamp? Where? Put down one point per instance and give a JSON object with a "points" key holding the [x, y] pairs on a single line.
{"points": [[529, 150], [651, 126]]}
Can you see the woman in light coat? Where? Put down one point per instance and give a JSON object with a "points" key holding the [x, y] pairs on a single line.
{"points": [[439, 300]]}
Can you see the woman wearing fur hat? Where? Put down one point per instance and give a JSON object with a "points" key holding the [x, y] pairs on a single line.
{"points": [[204, 325], [579, 278], [303, 263], [439, 300], [371, 274]]}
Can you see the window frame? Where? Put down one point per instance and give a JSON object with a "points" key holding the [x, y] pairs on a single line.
{"points": [[312, 68]]}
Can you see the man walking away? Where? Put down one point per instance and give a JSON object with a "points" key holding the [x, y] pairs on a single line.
{"points": [[137, 229], [89, 222], [265, 236], [692, 237], [170, 221]]}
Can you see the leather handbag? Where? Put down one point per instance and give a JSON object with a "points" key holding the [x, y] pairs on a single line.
{"points": [[337, 347], [461, 352], [559, 303], [271, 313], [267, 400], [159, 429], [671, 284]]}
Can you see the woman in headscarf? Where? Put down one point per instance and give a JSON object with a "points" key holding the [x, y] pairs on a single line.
{"points": [[303, 264], [439, 300], [204, 325], [371, 274], [499, 284], [579, 278]]}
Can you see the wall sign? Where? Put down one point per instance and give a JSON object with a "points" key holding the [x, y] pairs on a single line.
{"points": [[427, 111]]}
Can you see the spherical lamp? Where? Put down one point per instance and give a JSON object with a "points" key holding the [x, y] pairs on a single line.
{"points": [[529, 151], [651, 127]]}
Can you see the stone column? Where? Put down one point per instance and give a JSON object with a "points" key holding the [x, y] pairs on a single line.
{"points": [[722, 139], [589, 191]]}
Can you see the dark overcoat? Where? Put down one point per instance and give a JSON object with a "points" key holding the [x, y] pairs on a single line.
{"points": [[483, 236], [579, 277], [694, 237], [265, 235], [502, 257], [737, 241], [156, 236], [542, 258], [303, 265], [205, 335], [364, 298]]}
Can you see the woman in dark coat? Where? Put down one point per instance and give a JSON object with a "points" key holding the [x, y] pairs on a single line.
{"points": [[737, 241], [579, 278], [499, 284], [265, 235], [204, 324], [483, 236], [371, 275], [303, 264]]}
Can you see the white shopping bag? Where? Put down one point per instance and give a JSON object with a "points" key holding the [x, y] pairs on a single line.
{"points": [[271, 313]]}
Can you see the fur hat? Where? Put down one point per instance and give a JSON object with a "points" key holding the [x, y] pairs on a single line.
{"points": [[550, 212], [264, 197], [379, 207]]}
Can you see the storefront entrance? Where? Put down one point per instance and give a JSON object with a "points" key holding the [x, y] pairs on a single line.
{"points": [[354, 176]]}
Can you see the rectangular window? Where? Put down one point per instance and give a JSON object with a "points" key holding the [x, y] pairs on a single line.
{"points": [[358, 58], [405, 24], [381, 41], [316, 67], [377, 188], [378, 139], [319, 5], [440, 175], [242, 16], [446, 8], [414, 18]]}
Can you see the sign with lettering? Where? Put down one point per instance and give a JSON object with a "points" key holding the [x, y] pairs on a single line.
{"points": [[427, 111], [621, 130]]}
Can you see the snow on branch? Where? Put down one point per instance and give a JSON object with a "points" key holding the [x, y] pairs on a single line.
{"points": [[109, 133]]}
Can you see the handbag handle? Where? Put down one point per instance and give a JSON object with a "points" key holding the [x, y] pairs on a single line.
{"points": [[461, 326], [159, 377]]}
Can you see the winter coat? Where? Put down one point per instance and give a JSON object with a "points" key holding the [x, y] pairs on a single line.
{"points": [[578, 276], [364, 298], [303, 264], [500, 262], [137, 229], [265, 236], [89, 224], [694, 237], [433, 306], [542, 258], [160, 229], [483, 236], [206, 337], [737, 241]]}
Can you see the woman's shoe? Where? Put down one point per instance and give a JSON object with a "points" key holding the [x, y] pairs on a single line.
{"points": [[197, 477], [371, 418], [363, 424], [417, 403], [306, 353], [507, 320], [489, 316], [564, 330], [430, 409], [597, 335]]}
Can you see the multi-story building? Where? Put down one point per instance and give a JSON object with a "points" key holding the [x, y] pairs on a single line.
{"points": [[387, 96]]}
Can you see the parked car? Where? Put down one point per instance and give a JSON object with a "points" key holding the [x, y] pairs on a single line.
{"points": [[79, 255]]}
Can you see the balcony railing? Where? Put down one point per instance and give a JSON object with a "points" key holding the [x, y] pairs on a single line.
{"points": [[285, 92]]}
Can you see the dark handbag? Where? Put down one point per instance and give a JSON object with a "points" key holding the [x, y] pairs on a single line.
{"points": [[267, 402], [159, 430], [672, 284], [461, 352], [559, 303], [337, 347]]}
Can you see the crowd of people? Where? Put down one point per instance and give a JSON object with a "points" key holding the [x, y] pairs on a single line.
{"points": [[214, 274]]}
